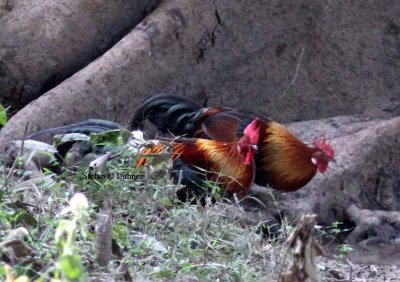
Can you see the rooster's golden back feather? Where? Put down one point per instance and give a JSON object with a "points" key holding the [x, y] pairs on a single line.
{"points": [[221, 161]]}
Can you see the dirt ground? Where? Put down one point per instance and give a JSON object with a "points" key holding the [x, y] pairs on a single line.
{"points": [[375, 264]]}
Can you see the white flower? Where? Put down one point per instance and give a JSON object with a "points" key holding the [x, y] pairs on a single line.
{"points": [[79, 204]]}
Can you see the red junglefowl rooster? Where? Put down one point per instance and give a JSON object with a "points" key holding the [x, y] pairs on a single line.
{"points": [[230, 164], [282, 161]]}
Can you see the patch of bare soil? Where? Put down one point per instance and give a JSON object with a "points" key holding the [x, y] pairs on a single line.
{"points": [[377, 264], [344, 271]]}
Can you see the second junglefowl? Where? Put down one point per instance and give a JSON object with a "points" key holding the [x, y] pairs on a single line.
{"points": [[198, 161]]}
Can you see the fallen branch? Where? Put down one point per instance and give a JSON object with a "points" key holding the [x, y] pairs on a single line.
{"points": [[305, 249], [98, 164], [103, 231]]}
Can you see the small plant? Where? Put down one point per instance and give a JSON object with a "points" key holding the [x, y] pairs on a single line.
{"points": [[69, 265], [8, 272], [344, 250], [3, 116], [331, 232], [335, 229]]}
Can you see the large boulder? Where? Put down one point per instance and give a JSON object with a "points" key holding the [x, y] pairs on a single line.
{"points": [[293, 60], [143, 62], [44, 42], [366, 175]]}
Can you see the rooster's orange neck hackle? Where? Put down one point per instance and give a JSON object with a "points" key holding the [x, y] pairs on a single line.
{"points": [[286, 162]]}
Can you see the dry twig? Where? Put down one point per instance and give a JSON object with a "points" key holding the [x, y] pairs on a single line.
{"points": [[305, 249]]}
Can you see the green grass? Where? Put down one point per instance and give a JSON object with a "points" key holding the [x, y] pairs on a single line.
{"points": [[3, 115], [155, 237]]}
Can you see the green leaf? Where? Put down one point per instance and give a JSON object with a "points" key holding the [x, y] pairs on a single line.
{"points": [[71, 267], [69, 137], [23, 216], [120, 231], [110, 137], [2, 270], [3, 116]]}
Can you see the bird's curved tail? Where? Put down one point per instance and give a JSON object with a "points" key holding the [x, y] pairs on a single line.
{"points": [[85, 127], [169, 113]]}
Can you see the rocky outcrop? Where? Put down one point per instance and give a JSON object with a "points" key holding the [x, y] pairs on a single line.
{"points": [[145, 61], [44, 42], [293, 60], [366, 175]]}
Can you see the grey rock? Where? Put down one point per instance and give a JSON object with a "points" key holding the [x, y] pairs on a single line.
{"points": [[367, 173], [292, 60]]}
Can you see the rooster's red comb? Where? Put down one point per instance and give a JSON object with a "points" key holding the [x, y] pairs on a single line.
{"points": [[252, 131], [324, 146]]}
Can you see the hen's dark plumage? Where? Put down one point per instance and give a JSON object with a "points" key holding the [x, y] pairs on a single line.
{"points": [[85, 127]]}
